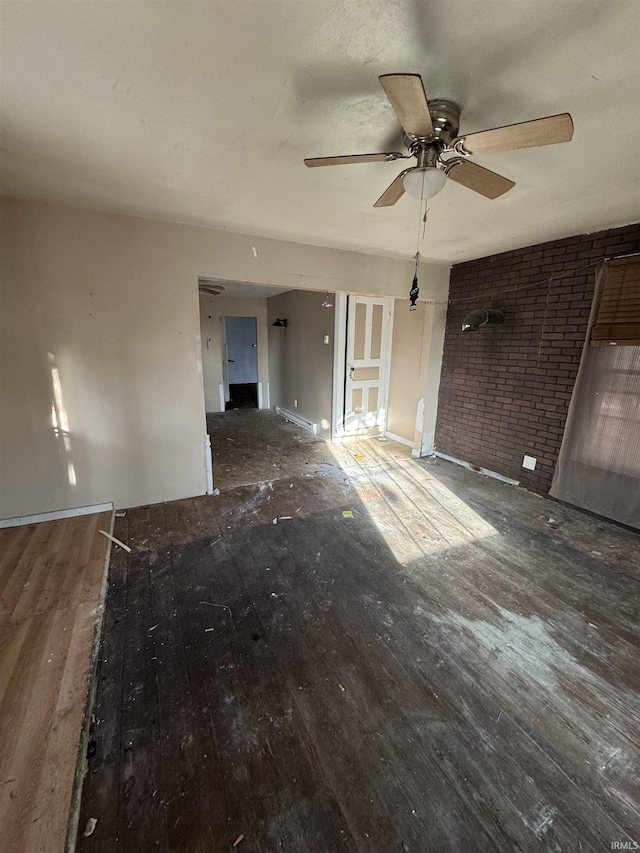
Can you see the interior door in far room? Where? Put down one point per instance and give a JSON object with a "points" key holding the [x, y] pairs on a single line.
{"points": [[241, 355], [369, 327]]}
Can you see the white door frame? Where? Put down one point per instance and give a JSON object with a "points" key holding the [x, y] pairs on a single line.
{"points": [[339, 365], [225, 359]]}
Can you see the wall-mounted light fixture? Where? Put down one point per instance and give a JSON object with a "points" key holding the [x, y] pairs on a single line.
{"points": [[482, 317], [283, 325]]}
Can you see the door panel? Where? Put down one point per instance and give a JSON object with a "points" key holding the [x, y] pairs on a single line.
{"points": [[368, 347], [363, 373], [242, 353]]}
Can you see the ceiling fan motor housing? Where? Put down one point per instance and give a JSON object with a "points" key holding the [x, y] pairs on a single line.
{"points": [[445, 116]]}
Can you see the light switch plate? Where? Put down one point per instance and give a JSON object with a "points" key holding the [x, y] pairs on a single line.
{"points": [[529, 462], [326, 339]]}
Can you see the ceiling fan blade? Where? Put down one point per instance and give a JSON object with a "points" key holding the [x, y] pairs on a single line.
{"points": [[527, 134], [352, 158], [393, 192], [478, 179], [407, 97]]}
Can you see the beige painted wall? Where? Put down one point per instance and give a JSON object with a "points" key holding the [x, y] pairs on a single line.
{"points": [[301, 368], [416, 360], [405, 375], [108, 304], [212, 309]]}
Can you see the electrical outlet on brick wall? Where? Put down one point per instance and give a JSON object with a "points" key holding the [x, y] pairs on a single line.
{"points": [[529, 462]]}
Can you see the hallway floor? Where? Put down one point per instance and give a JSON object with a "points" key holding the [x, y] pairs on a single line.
{"points": [[352, 650]]}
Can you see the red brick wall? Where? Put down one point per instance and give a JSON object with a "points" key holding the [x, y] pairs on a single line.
{"points": [[505, 390]]}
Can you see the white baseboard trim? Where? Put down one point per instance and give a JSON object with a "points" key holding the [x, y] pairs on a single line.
{"points": [[477, 469], [56, 515], [296, 419], [397, 438]]}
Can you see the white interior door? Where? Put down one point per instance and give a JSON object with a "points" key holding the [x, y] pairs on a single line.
{"points": [[369, 327]]}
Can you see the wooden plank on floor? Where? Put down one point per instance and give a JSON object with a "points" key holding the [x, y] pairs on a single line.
{"points": [[194, 805], [141, 817]]}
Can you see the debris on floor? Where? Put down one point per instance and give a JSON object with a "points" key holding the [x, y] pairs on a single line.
{"points": [[90, 827], [120, 513], [226, 625], [238, 839], [347, 513], [215, 493], [116, 541]]}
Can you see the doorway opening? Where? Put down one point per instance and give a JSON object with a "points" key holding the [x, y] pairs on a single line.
{"points": [[240, 362]]}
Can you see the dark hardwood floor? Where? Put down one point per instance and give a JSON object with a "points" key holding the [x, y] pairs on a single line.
{"points": [[443, 670]]}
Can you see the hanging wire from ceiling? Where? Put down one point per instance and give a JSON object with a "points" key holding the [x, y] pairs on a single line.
{"points": [[422, 227]]}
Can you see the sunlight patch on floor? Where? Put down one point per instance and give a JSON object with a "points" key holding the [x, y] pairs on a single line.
{"points": [[415, 513]]}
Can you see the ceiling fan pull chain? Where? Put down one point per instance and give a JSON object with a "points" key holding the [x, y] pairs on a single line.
{"points": [[415, 290]]}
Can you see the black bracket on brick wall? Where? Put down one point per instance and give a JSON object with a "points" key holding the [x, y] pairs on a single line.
{"points": [[482, 317]]}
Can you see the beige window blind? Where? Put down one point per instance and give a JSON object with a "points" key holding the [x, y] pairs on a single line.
{"points": [[618, 319]]}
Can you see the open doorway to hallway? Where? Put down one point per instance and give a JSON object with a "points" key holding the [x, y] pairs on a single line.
{"points": [[234, 345]]}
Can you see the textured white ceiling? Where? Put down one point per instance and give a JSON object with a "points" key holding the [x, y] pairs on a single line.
{"points": [[202, 112]]}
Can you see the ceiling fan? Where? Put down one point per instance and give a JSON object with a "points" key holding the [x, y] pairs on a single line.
{"points": [[430, 135]]}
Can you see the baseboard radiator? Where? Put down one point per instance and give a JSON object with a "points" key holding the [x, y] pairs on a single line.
{"points": [[296, 419]]}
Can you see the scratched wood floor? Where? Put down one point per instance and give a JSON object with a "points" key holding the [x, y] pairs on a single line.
{"points": [[51, 577], [442, 671]]}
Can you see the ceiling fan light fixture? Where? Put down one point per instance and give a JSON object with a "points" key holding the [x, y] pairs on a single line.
{"points": [[424, 183]]}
